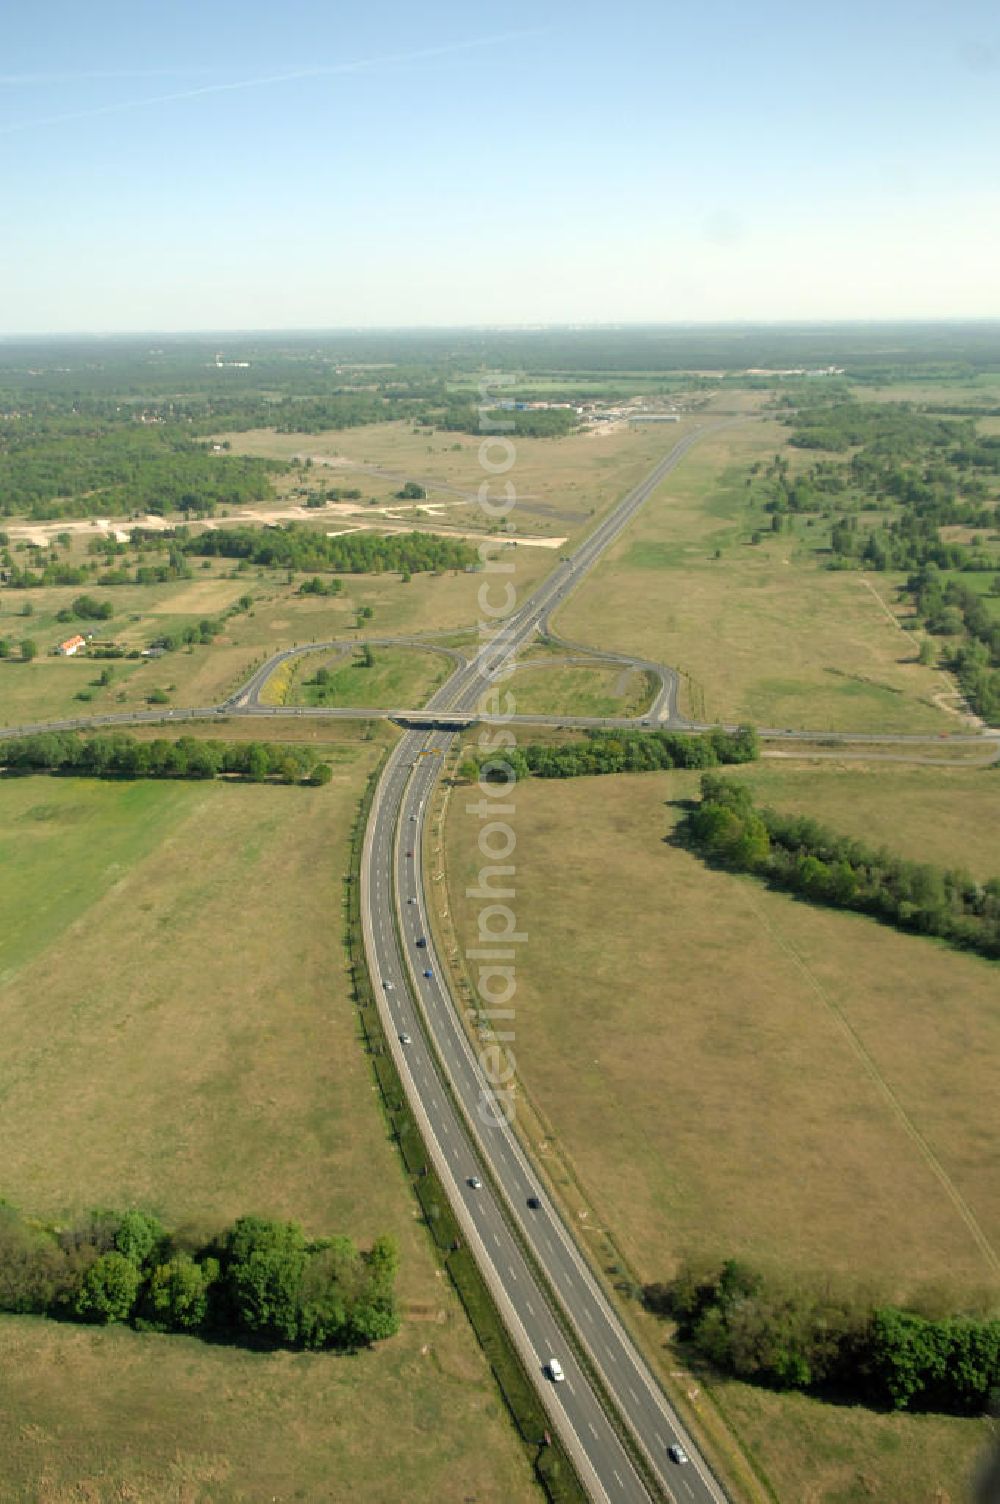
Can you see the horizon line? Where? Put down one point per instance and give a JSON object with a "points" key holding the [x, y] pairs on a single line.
{"points": [[568, 326]]}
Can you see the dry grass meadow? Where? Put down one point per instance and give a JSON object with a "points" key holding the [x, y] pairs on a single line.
{"points": [[575, 689], [178, 1033], [560, 483], [51, 688], [730, 1072], [762, 633]]}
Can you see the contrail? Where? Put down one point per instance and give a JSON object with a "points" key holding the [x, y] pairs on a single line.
{"points": [[327, 71]]}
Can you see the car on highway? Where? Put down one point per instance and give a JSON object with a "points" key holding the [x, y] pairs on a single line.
{"points": [[421, 942], [475, 1182], [411, 900], [387, 985], [555, 1369], [676, 1453], [409, 853], [534, 1203], [405, 1039], [428, 973]]}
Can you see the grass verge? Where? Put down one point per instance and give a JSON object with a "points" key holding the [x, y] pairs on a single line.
{"points": [[552, 1466]]}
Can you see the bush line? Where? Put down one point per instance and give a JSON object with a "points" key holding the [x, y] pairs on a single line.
{"points": [[119, 755], [260, 1283], [798, 854], [808, 1336], [617, 752]]}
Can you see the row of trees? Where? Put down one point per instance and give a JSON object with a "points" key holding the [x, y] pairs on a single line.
{"points": [[949, 607], [617, 752], [259, 1282], [800, 855], [118, 755], [808, 1335], [297, 547]]}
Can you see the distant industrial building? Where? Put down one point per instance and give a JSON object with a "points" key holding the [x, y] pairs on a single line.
{"points": [[654, 418]]}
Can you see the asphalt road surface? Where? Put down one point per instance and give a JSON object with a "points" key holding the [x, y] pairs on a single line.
{"points": [[468, 1135]]}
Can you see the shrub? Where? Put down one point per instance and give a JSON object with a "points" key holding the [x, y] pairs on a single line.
{"points": [[109, 1289]]}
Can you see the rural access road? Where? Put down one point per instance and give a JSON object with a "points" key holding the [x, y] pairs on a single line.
{"points": [[551, 1291]]}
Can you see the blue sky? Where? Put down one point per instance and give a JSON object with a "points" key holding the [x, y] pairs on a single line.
{"points": [[316, 164]]}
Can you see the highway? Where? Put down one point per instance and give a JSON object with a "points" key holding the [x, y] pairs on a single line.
{"points": [[540, 1282], [468, 1137]]}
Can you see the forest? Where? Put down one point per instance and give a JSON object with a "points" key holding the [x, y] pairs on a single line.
{"points": [[808, 1335], [259, 1283], [461, 416], [75, 468], [799, 855], [295, 546]]}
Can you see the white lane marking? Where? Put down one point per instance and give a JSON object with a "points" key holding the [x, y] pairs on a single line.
{"points": [[619, 1477], [530, 1307], [592, 1429], [512, 1271]]}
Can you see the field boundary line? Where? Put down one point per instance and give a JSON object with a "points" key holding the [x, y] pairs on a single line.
{"points": [[899, 1112]]}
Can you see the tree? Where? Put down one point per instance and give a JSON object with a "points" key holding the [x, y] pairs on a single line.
{"points": [[258, 762], [33, 1268], [138, 1235], [4, 648], [179, 1291], [265, 1262], [109, 1289], [29, 649]]}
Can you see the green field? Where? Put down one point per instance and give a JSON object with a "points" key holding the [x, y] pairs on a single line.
{"points": [[723, 1071], [398, 678], [179, 1034]]}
